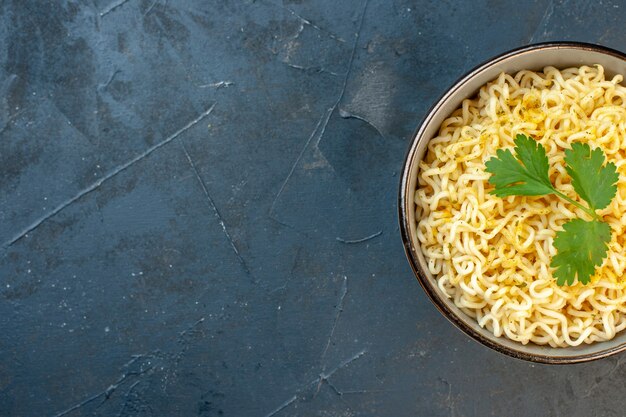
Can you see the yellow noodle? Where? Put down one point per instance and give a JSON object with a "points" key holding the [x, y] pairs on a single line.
{"points": [[492, 255]]}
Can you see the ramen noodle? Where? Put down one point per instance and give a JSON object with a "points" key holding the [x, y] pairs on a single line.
{"points": [[492, 255]]}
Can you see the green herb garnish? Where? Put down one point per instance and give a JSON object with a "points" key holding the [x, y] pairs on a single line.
{"points": [[581, 245]]}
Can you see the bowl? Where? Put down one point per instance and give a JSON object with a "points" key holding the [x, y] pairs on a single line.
{"points": [[533, 57]]}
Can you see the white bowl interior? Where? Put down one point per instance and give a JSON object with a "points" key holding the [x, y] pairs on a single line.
{"points": [[559, 56]]}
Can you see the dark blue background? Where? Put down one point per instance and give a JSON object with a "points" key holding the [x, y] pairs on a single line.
{"points": [[178, 180]]}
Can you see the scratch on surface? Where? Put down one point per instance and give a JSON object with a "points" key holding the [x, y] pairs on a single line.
{"points": [[4, 89], [216, 212], [7, 83], [351, 60], [307, 22], [323, 122], [147, 367], [112, 7], [106, 178], [363, 391], [127, 398], [344, 292], [322, 378], [100, 212], [184, 339], [110, 80], [217, 85], [281, 407], [449, 401], [191, 328], [81, 404], [542, 23], [359, 391], [343, 364], [112, 388], [311, 69], [154, 3], [293, 268], [352, 54], [288, 226], [364, 239], [347, 115], [10, 119], [334, 388]]}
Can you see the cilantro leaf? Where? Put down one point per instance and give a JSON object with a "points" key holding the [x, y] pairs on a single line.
{"points": [[594, 183], [526, 175], [581, 246]]}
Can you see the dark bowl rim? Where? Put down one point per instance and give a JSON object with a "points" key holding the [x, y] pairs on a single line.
{"points": [[403, 209]]}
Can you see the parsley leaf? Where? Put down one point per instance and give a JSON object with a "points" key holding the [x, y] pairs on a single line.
{"points": [[526, 175], [594, 183], [581, 246]]}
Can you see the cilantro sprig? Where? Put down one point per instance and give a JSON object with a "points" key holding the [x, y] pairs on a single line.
{"points": [[582, 245]]}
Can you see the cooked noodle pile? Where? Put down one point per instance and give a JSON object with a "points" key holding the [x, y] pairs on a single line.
{"points": [[492, 255]]}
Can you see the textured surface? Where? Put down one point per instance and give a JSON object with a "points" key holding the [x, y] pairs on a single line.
{"points": [[184, 185]]}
